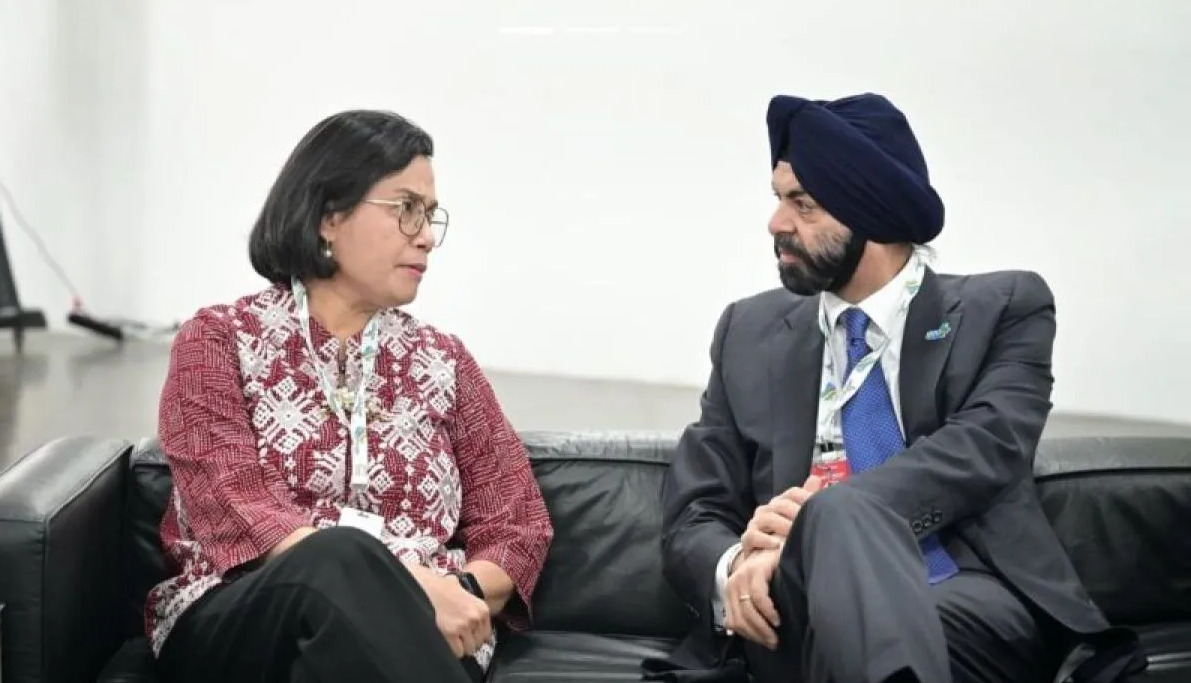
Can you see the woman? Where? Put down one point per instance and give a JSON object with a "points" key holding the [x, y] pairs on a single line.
{"points": [[349, 503]]}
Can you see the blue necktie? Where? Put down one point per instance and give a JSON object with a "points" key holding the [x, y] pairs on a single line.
{"points": [[872, 435]]}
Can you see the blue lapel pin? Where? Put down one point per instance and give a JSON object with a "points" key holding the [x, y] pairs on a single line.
{"points": [[942, 331]]}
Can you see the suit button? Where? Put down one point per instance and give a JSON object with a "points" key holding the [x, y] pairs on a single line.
{"points": [[926, 521], [938, 517], [917, 526]]}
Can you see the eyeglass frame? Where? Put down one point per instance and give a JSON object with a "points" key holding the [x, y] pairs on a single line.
{"points": [[426, 216]]}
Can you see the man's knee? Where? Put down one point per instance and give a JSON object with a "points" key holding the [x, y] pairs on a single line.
{"points": [[821, 520], [834, 503], [840, 514]]}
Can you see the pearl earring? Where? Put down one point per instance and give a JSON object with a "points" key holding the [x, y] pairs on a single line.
{"points": [[327, 250]]}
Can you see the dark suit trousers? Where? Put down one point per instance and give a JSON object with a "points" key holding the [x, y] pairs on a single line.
{"points": [[336, 607], [856, 607]]}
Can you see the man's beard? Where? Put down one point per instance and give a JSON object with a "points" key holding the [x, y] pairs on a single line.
{"points": [[814, 273]]}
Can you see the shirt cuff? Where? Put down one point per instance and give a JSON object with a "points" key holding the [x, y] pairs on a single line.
{"points": [[721, 584]]}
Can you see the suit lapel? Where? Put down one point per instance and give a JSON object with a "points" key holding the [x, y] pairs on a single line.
{"points": [[931, 325], [795, 367]]}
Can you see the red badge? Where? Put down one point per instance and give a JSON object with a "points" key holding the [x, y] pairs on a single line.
{"points": [[831, 468]]}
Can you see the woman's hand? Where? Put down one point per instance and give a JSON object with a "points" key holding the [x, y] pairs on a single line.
{"points": [[463, 619]]}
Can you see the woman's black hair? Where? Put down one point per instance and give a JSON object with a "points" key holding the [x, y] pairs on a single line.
{"points": [[329, 171]]}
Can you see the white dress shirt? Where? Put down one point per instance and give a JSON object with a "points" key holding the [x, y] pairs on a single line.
{"points": [[883, 308]]}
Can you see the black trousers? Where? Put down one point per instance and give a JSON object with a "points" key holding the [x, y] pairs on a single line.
{"points": [[856, 608], [336, 607]]}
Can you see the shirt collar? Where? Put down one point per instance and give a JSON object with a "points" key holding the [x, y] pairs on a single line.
{"points": [[881, 306]]}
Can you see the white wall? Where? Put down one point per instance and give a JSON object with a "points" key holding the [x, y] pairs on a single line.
{"points": [[605, 165], [71, 108], [33, 157]]}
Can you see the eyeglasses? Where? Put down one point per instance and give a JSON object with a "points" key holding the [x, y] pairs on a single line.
{"points": [[412, 217]]}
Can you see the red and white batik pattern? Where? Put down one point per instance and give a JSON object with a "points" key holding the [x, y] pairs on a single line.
{"points": [[256, 453]]}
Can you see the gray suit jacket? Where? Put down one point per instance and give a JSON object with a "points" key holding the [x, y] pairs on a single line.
{"points": [[973, 402]]}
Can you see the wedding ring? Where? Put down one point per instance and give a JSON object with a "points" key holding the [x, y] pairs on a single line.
{"points": [[745, 598]]}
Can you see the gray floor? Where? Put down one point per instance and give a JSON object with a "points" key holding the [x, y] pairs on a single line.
{"points": [[66, 384]]}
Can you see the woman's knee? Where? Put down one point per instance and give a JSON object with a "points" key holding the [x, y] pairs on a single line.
{"points": [[348, 565], [333, 552], [340, 542]]}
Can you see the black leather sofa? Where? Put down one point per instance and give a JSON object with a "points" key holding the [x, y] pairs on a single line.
{"points": [[78, 530]]}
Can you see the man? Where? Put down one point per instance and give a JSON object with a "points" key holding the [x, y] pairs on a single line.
{"points": [[855, 503]]}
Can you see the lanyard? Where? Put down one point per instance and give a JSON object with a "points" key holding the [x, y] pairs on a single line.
{"points": [[832, 398], [357, 424]]}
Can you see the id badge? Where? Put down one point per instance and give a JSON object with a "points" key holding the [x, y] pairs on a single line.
{"points": [[364, 521], [831, 465]]}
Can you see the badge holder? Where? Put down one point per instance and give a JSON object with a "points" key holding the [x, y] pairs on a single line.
{"points": [[830, 463], [364, 521]]}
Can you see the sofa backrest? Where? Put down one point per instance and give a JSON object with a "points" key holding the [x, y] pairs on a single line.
{"points": [[149, 486], [1120, 506], [604, 570], [603, 573]]}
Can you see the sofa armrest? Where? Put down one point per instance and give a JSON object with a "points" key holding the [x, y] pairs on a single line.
{"points": [[61, 517]]}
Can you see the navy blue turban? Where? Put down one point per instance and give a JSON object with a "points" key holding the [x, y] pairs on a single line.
{"points": [[858, 158]]}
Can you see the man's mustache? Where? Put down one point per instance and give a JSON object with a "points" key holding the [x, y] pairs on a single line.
{"points": [[785, 242]]}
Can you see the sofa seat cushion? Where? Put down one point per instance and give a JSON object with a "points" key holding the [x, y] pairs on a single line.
{"points": [[541, 657], [1168, 647], [557, 657]]}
